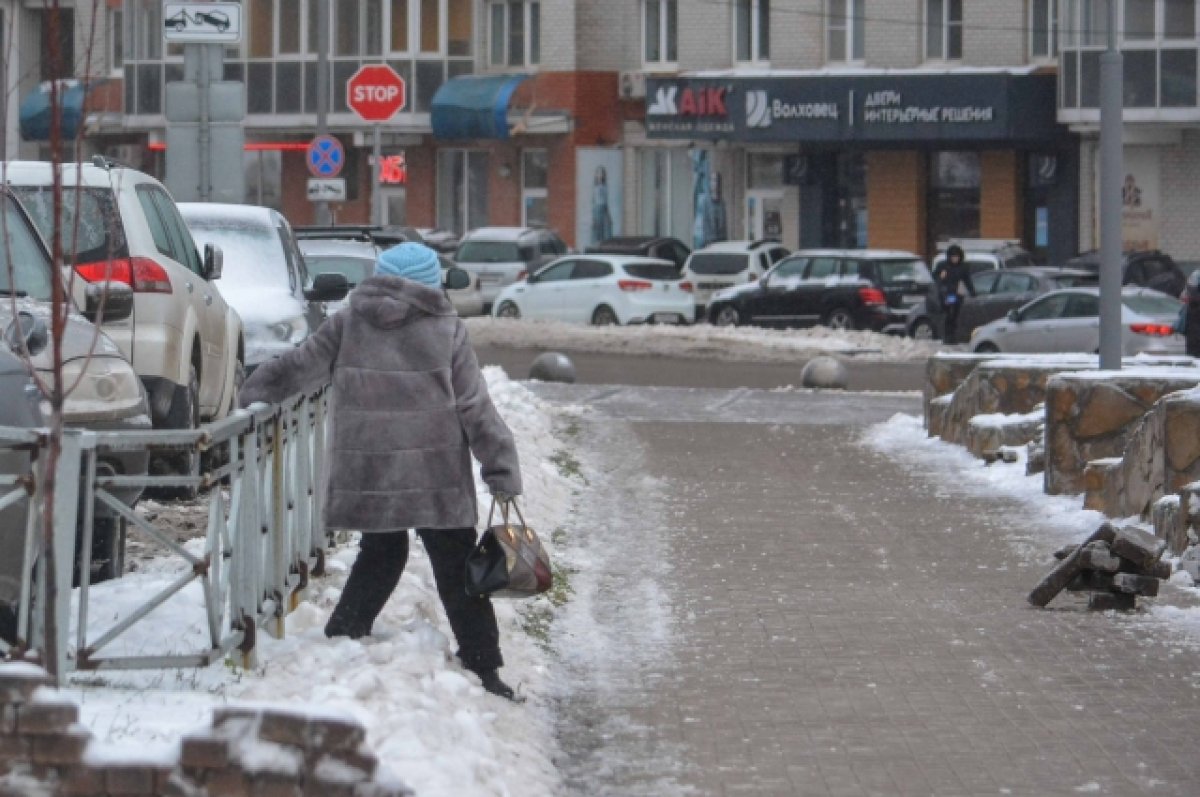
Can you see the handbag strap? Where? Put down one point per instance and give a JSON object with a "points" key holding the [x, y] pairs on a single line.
{"points": [[504, 512]]}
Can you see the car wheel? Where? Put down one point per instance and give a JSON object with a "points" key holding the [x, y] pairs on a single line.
{"points": [[605, 317], [508, 310], [987, 347], [924, 329], [108, 549], [727, 316], [839, 318]]}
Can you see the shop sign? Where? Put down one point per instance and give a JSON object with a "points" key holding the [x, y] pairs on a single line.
{"points": [[999, 107], [393, 170]]}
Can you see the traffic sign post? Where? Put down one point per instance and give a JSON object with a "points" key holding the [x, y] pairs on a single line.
{"points": [[376, 93]]}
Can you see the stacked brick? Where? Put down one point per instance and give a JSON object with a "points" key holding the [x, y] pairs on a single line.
{"points": [[1113, 565], [248, 752]]}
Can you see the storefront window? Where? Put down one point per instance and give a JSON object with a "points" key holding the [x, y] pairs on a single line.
{"points": [[535, 167], [264, 183], [462, 189], [852, 200], [845, 34], [955, 180], [665, 193]]}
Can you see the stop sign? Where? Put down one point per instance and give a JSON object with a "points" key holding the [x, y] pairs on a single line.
{"points": [[375, 93]]}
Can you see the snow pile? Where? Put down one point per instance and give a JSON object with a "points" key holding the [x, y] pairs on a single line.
{"points": [[701, 341], [428, 720]]}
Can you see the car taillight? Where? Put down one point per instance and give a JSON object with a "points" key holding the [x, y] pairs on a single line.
{"points": [[686, 286], [1153, 330], [872, 296], [141, 274], [522, 274], [635, 285]]}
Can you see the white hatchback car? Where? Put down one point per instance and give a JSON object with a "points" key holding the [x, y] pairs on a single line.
{"points": [[728, 263], [184, 341], [1069, 321], [601, 290]]}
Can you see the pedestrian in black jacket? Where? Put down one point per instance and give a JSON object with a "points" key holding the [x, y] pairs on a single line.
{"points": [[949, 275]]}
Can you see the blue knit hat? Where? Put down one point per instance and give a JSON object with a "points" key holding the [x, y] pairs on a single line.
{"points": [[413, 261]]}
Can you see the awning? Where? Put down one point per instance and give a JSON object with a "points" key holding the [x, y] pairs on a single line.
{"points": [[474, 106], [36, 112]]}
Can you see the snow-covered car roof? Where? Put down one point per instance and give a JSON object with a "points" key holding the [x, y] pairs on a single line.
{"points": [[498, 234], [215, 211], [334, 246], [737, 246], [861, 254], [86, 174]]}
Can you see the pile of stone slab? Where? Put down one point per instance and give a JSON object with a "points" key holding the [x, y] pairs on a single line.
{"points": [[1115, 565]]}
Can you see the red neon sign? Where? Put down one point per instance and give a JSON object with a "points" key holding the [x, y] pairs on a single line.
{"points": [[393, 170]]}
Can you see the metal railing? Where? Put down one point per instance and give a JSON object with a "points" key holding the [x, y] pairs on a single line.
{"points": [[260, 473]]}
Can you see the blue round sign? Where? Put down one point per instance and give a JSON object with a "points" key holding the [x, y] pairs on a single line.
{"points": [[326, 156]]}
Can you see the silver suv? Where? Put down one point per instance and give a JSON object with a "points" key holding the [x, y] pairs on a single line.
{"points": [[184, 341], [728, 263], [500, 256]]}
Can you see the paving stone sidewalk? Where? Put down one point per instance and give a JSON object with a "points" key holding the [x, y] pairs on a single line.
{"points": [[840, 629]]}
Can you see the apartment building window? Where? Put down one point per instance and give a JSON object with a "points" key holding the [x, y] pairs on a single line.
{"points": [[516, 33], [752, 24], [535, 184], [845, 34], [943, 30], [116, 40], [1043, 29], [660, 43]]}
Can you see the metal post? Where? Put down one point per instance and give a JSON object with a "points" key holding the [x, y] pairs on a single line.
{"points": [[203, 84], [1111, 168], [377, 175], [66, 515], [324, 215]]}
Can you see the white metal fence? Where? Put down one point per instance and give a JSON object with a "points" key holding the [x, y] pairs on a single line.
{"points": [[261, 477]]}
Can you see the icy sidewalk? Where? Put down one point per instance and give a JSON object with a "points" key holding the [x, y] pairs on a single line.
{"points": [[428, 720]]}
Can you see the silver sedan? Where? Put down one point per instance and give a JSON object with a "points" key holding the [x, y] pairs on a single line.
{"points": [[1069, 321]]}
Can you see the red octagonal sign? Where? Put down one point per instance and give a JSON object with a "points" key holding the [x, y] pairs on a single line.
{"points": [[375, 93]]}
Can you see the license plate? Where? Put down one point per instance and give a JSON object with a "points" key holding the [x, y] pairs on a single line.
{"points": [[912, 299], [667, 318]]}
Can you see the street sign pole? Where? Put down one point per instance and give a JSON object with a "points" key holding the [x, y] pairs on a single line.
{"points": [[323, 215], [377, 174], [1111, 168]]}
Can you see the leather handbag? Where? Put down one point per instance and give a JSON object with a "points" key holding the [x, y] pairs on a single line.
{"points": [[510, 560]]}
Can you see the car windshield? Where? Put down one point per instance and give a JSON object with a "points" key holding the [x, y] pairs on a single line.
{"points": [[24, 265], [1152, 304], [253, 251], [898, 272], [91, 226], [355, 269], [488, 252], [653, 271], [718, 263]]}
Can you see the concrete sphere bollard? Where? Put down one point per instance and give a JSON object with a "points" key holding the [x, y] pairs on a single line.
{"points": [[553, 367], [824, 372]]}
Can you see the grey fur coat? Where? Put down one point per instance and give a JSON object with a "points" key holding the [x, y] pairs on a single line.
{"points": [[410, 406]]}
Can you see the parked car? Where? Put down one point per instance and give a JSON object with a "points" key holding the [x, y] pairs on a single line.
{"points": [[383, 236], [997, 293], [1148, 269], [987, 254], [840, 288], [500, 256], [728, 263], [1069, 321], [19, 400], [439, 240], [184, 341], [356, 260], [107, 394], [265, 277], [671, 249], [601, 290]]}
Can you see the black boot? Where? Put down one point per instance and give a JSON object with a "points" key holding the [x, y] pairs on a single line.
{"points": [[492, 683]]}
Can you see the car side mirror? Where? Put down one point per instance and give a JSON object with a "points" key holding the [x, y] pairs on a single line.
{"points": [[328, 287], [27, 333], [456, 279], [1014, 316], [214, 262], [106, 302]]}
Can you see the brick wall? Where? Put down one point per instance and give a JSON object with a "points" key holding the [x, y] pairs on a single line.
{"points": [[1001, 211], [896, 200], [609, 35], [993, 33], [558, 28], [798, 34], [1179, 200], [44, 751], [705, 35]]}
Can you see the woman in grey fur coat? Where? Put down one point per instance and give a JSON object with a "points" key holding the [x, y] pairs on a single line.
{"points": [[410, 407]]}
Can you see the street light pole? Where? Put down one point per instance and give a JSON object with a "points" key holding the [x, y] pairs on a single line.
{"points": [[323, 214], [1111, 168]]}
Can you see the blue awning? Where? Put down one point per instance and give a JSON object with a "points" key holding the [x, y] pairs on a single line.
{"points": [[474, 106], [35, 110]]}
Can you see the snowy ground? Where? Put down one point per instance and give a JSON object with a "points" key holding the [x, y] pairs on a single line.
{"points": [[953, 471], [427, 719], [700, 341]]}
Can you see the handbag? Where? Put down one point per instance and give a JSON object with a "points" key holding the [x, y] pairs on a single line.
{"points": [[510, 560]]}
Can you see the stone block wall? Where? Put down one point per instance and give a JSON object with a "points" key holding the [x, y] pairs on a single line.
{"points": [[1092, 415], [248, 752], [1003, 386]]}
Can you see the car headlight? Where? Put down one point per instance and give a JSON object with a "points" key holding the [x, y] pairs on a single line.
{"points": [[102, 385]]}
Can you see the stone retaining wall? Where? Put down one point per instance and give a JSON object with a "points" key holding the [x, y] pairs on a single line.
{"points": [[248, 752]]}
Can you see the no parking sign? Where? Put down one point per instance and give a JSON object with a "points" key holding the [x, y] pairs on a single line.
{"points": [[326, 157]]}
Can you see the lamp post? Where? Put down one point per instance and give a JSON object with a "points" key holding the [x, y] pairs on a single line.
{"points": [[1111, 168]]}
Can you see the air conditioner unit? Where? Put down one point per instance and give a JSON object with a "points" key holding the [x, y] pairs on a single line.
{"points": [[633, 85]]}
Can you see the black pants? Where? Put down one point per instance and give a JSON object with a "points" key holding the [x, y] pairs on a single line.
{"points": [[950, 322], [376, 571]]}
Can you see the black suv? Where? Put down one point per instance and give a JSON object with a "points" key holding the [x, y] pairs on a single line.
{"points": [[842, 289], [1147, 269], [671, 249]]}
